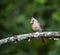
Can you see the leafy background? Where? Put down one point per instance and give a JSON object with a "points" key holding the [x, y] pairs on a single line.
{"points": [[15, 16]]}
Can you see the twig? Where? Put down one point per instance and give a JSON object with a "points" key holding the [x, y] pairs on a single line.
{"points": [[30, 35]]}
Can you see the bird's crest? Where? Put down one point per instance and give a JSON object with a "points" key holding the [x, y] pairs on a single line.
{"points": [[33, 20]]}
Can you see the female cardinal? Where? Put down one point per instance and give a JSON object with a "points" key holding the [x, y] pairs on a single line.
{"points": [[36, 26]]}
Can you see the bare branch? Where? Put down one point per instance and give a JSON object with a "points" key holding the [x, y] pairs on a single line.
{"points": [[30, 35]]}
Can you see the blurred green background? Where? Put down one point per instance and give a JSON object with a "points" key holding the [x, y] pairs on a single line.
{"points": [[15, 16]]}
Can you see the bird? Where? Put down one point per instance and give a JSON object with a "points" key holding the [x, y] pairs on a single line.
{"points": [[36, 26]]}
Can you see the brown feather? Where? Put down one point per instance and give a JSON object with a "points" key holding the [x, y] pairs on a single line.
{"points": [[37, 27]]}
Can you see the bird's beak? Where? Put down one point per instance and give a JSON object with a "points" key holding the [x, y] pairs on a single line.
{"points": [[30, 22]]}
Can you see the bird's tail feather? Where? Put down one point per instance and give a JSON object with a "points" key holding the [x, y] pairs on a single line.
{"points": [[42, 40]]}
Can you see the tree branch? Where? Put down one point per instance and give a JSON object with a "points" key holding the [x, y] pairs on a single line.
{"points": [[30, 35]]}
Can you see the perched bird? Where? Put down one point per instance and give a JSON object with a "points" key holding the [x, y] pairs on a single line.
{"points": [[36, 26]]}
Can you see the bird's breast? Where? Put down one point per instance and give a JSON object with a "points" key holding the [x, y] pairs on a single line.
{"points": [[36, 28]]}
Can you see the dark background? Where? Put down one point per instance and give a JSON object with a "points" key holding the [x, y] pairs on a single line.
{"points": [[15, 16]]}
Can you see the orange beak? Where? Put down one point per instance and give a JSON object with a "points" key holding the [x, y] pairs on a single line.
{"points": [[31, 22]]}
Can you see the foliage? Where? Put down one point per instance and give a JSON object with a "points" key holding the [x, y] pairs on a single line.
{"points": [[15, 16]]}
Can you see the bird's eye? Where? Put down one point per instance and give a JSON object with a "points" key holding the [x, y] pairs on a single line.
{"points": [[32, 21]]}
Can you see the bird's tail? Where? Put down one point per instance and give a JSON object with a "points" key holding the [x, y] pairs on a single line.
{"points": [[42, 39]]}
